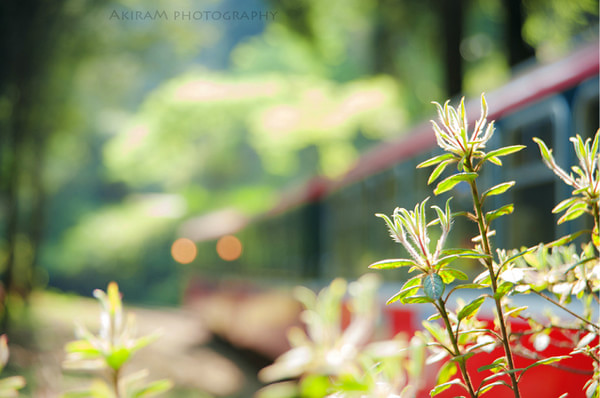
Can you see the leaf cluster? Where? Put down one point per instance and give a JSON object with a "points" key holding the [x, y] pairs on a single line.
{"points": [[110, 350], [584, 178], [463, 149], [563, 271], [334, 362]]}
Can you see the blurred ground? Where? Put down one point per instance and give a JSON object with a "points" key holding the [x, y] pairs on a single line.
{"points": [[211, 348]]}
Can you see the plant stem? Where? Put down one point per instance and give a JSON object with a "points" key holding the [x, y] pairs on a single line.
{"points": [[441, 306], [596, 215], [483, 230], [115, 383]]}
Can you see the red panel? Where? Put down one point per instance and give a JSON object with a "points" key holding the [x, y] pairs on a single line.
{"points": [[567, 376], [400, 320]]}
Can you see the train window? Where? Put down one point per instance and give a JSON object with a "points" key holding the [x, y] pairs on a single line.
{"points": [[547, 120], [586, 120], [536, 191], [523, 135], [586, 109], [532, 221], [591, 123]]}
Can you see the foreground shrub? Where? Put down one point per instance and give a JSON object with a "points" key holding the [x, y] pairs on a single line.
{"points": [[565, 272], [331, 361], [109, 351]]}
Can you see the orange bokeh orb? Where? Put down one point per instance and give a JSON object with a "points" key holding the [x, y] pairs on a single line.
{"points": [[229, 248], [184, 251]]}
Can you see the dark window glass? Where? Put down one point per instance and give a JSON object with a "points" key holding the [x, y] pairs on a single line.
{"points": [[523, 135], [591, 119], [532, 221]]}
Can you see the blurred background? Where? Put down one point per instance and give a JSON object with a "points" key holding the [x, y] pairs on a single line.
{"points": [[137, 138]]}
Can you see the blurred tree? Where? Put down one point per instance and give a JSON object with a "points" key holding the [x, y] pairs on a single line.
{"points": [[551, 27], [114, 131], [28, 36], [518, 49]]}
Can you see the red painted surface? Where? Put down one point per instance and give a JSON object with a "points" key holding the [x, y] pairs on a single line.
{"points": [[401, 320], [544, 381]]}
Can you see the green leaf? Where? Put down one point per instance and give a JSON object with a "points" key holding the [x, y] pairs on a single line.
{"points": [[442, 387], [436, 331], [350, 384], [416, 300], [433, 286], [504, 288], [475, 347], [546, 153], [566, 239], [450, 182], [470, 286], [409, 288], [495, 160], [483, 279], [154, 388], [573, 212], [494, 367], [579, 146], [514, 312], [549, 360], [449, 274], [488, 387], [433, 317], [446, 372], [504, 210], [83, 347], [464, 253], [143, 342], [595, 143], [443, 261], [439, 170], [545, 361], [314, 386], [392, 263], [118, 357], [471, 308], [507, 150], [436, 160], [498, 189], [463, 357], [563, 205], [520, 254]]}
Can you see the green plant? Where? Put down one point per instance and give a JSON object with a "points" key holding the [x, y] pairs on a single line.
{"points": [[461, 335], [109, 351], [331, 361], [9, 386], [564, 270]]}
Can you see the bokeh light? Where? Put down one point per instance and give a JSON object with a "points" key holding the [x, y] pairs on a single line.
{"points": [[229, 248], [184, 251]]}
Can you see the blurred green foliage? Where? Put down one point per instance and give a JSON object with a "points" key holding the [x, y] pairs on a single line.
{"points": [[131, 127], [333, 360]]}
